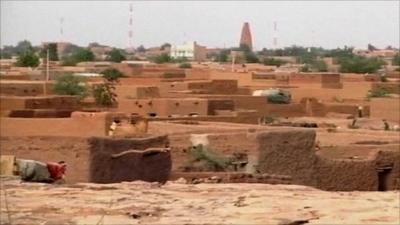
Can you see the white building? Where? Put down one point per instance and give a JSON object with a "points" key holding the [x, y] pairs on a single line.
{"points": [[190, 50]]}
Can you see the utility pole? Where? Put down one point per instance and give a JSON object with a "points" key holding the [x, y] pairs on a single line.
{"points": [[47, 72], [233, 60]]}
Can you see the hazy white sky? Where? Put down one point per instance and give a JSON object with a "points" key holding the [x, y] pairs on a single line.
{"points": [[214, 24]]}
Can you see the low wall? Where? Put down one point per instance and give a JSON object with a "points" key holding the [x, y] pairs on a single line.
{"points": [[197, 74], [345, 175], [385, 108], [22, 88], [42, 102], [393, 88], [291, 153], [347, 109], [154, 167], [78, 125], [287, 152], [129, 91], [164, 106], [89, 160], [220, 104], [214, 87]]}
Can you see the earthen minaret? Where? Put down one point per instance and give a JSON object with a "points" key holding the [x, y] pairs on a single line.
{"points": [[245, 38]]}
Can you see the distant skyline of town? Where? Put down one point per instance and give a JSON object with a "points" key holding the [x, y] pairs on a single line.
{"points": [[212, 24]]}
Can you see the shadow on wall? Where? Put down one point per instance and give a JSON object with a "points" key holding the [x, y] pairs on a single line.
{"points": [[291, 153], [110, 163]]}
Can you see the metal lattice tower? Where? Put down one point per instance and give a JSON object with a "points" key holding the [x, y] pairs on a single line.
{"points": [[130, 29], [61, 29], [275, 38]]}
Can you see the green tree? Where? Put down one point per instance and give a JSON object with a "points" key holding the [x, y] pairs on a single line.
{"points": [[5, 55], [28, 59], [53, 54], [396, 59], [79, 55], [70, 49], [104, 94], [340, 53], [251, 57], [141, 48], [359, 64], [273, 62], [163, 58], [185, 65], [222, 56], [71, 85], [305, 69], [23, 46], [180, 60], [165, 45], [112, 75], [319, 66], [84, 55], [115, 55], [307, 58]]}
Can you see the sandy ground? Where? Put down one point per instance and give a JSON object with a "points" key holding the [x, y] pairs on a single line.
{"points": [[178, 203]]}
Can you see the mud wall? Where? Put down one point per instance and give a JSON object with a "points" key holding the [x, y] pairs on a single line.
{"points": [[39, 113], [129, 91], [127, 69], [88, 159], [24, 88], [73, 150], [197, 74], [78, 125], [220, 104], [105, 169], [45, 102], [224, 87], [305, 78], [390, 159], [350, 90], [242, 78], [291, 153], [224, 144], [164, 107], [344, 175], [261, 105], [385, 108], [262, 76], [393, 88], [347, 109], [287, 152]]}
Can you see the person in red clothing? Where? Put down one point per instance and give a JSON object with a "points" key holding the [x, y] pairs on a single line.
{"points": [[57, 171]]}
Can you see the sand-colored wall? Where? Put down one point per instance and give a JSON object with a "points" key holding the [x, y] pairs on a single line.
{"points": [[164, 107], [24, 88], [350, 90], [42, 102], [392, 87], [131, 91], [197, 74], [78, 125], [242, 78], [291, 153], [89, 160], [73, 150], [385, 108]]}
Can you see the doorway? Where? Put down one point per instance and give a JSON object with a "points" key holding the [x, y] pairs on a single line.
{"points": [[383, 178]]}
